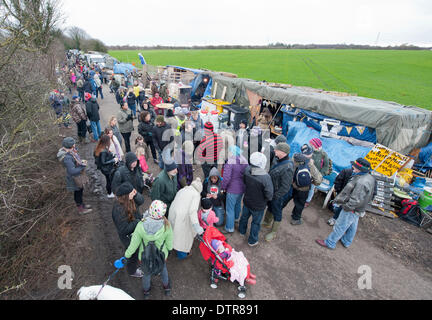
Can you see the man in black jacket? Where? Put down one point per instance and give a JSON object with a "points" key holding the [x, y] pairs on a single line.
{"points": [[129, 172], [163, 135], [340, 182], [145, 129], [281, 174], [92, 108], [259, 190]]}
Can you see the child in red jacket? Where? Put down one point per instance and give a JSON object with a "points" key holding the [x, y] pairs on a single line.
{"points": [[206, 216]]}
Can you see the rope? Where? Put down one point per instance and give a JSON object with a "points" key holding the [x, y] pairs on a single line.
{"points": [[105, 283]]}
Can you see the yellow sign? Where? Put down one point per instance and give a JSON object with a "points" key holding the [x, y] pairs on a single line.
{"points": [[385, 160]]}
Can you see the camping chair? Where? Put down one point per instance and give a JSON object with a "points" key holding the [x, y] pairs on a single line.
{"points": [[426, 216], [327, 186]]}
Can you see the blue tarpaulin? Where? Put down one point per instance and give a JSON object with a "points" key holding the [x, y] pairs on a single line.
{"points": [[313, 119], [124, 68], [340, 152]]}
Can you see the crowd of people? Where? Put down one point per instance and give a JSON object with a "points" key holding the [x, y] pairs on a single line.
{"points": [[238, 185]]}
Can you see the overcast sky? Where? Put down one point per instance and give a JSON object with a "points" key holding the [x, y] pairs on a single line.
{"points": [[252, 22]]}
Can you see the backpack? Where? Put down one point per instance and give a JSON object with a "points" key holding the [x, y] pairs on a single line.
{"points": [[152, 259], [303, 176]]}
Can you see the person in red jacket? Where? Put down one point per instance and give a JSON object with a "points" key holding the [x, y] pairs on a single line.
{"points": [[155, 101], [209, 149]]}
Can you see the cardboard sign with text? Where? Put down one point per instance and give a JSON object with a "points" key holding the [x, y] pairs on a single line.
{"points": [[385, 160]]}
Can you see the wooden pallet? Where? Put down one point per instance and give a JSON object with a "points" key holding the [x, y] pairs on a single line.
{"points": [[384, 212]]}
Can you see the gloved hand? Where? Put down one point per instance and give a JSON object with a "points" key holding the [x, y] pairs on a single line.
{"points": [[120, 263], [198, 229], [130, 117]]}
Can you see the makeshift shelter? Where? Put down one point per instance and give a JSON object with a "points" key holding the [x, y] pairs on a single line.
{"points": [[396, 126], [124, 68]]}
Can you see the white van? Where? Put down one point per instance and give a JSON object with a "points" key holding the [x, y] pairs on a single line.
{"points": [[96, 58]]}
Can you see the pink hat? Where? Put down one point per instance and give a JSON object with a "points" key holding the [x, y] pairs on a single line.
{"points": [[316, 143]]}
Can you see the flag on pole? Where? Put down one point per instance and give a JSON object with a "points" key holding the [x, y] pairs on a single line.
{"points": [[143, 62]]}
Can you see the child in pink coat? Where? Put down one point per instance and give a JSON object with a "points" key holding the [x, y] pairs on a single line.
{"points": [[206, 216]]}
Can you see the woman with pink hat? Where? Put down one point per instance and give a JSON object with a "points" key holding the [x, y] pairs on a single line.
{"points": [[321, 161]]}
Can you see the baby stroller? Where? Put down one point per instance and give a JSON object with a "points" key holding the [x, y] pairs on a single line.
{"points": [[219, 268]]}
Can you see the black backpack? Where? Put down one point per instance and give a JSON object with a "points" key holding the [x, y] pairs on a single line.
{"points": [[303, 176], [152, 259]]}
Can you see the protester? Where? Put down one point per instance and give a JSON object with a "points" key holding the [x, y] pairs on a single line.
{"points": [[165, 185], [107, 161], [212, 189], [145, 129], [281, 174], [80, 88], [155, 101], [115, 147], [131, 101], [98, 83], [125, 122], [242, 137], [340, 182], [183, 216], [305, 174], [140, 153], [209, 149], [353, 199], [75, 167], [184, 158], [146, 106], [321, 161], [120, 95], [162, 136], [92, 108], [126, 216], [258, 192], [79, 116], [129, 172], [112, 123], [171, 120], [234, 186], [153, 227], [141, 97]]}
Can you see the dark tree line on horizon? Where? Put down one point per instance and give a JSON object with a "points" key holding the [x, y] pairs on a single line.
{"points": [[277, 45]]}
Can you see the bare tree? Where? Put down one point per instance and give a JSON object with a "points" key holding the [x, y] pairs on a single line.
{"points": [[78, 36]]}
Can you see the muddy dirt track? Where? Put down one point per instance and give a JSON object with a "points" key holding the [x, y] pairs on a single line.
{"points": [[293, 266]]}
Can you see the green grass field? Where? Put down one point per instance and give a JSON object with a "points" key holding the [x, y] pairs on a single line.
{"points": [[394, 75]]}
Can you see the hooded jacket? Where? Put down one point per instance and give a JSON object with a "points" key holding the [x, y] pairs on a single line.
{"points": [[150, 230], [73, 169], [281, 174], [158, 134], [92, 108], [316, 176], [124, 227], [258, 188], [164, 188], [233, 175], [213, 188], [183, 215], [357, 193], [125, 121], [124, 173], [131, 99]]}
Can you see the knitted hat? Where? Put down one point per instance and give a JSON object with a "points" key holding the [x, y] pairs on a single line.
{"points": [[68, 142], [362, 164], [258, 159], [307, 150], [130, 157], [75, 97], [208, 126], [300, 158], [170, 166], [124, 188], [157, 210], [87, 96], [206, 203], [280, 138], [316, 143], [160, 119], [284, 147]]}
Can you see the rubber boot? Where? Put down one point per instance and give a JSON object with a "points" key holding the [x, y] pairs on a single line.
{"points": [[272, 234], [268, 220]]}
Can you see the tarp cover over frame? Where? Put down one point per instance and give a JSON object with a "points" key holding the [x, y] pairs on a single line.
{"points": [[401, 128]]}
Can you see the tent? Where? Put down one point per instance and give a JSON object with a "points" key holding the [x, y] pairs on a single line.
{"points": [[399, 127]]}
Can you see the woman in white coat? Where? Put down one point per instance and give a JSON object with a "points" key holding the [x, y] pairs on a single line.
{"points": [[183, 216]]}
